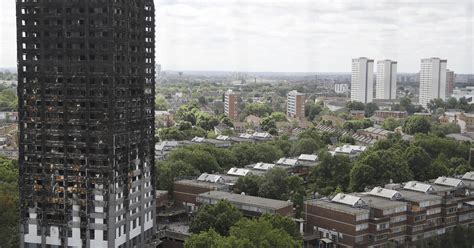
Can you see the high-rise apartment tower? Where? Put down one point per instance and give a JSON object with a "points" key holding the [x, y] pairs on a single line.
{"points": [[432, 80], [231, 100], [86, 91], [386, 87], [362, 80], [450, 77]]}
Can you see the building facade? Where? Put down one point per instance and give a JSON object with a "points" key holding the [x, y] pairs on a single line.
{"points": [[398, 215], [432, 80], [295, 104], [362, 80], [386, 87], [231, 105], [341, 88], [450, 77], [86, 72]]}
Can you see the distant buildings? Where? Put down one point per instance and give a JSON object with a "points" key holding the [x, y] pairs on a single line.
{"points": [[450, 76], [380, 115], [467, 93], [341, 88], [432, 80], [386, 87], [230, 104], [295, 104], [362, 80]]}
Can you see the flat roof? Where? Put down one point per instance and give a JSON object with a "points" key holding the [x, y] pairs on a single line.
{"points": [[194, 182], [247, 200], [339, 207], [415, 196], [379, 202]]}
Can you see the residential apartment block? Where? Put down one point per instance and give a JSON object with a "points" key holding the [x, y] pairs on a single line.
{"points": [[295, 104], [386, 87], [362, 80], [231, 101], [86, 89], [397, 215], [432, 80]]}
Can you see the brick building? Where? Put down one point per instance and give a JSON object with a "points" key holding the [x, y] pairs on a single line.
{"points": [[250, 206], [398, 215]]}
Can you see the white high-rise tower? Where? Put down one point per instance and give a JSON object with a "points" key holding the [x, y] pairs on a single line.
{"points": [[386, 87], [362, 80], [432, 80]]}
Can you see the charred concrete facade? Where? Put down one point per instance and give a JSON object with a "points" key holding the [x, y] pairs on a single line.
{"points": [[86, 103]]}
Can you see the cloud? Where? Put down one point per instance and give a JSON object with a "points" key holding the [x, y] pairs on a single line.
{"points": [[300, 35]]}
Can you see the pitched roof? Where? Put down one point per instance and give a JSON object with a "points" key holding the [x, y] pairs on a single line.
{"points": [[353, 201], [420, 187], [204, 177], [449, 181], [238, 171], [198, 139], [308, 157], [287, 161], [386, 193], [469, 176], [263, 166]]}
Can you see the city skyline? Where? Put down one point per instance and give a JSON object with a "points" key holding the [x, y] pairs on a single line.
{"points": [[299, 36]]}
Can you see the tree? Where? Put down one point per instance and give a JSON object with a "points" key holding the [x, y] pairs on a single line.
{"points": [[199, 159], [378, 167], [219, 217], [441, 129], [206, 121], [355, 105], [278, 116], [284, 223], [274, 185], [370, 108], [419, 162], [332, 172], [268, 123], [416, 124], [248, 184], [436, 104], [161, 103], [226, 120], [312, 110], [169, 171], [9, 203], [306, 146], [204, 240], [266, 231], [391, 123], [347, 139], [261, 233], [355, 125], [258, 109], [187, 113]]}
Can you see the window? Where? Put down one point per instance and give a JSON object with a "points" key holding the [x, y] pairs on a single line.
{"points": [[433, 211], [451, 210], [420, 218], [382, 226], [362, 217], [361, 227], [397, 219]]}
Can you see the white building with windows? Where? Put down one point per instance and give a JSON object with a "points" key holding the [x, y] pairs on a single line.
{"points": [[432, 80], [386, 87], [362, 80]]}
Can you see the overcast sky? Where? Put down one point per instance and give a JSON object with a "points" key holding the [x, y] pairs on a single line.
{"points": [[299, 36]]}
